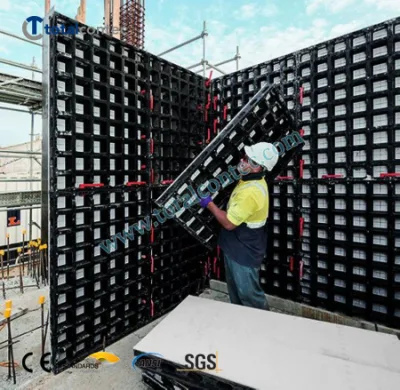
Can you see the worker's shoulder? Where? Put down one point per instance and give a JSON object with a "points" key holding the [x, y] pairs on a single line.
{"points": [[256, 187]]}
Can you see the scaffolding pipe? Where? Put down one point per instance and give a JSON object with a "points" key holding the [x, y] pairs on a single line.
{"points": [[180, 45], [204, 49], [4, 209], [18, 180], [213, 67], [18, 158], [31, 173], [19, 110], [19, 65], [237, 57], [195, 65], [209, 66], [18, 37], [12, 81], [28, 152]]}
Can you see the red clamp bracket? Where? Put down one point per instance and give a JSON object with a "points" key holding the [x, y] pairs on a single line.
{"points": [[143, 136], [225, 112], [167, 182], [301, 95], [215, 102], [135, 183], [301, 226], [143, 91], [151, 102], [152, 175], [301, 132], [151, 308], [152, 264], [301, 265], [215, 125], [94, 185], [152, 237], [208, 135], [301, 168], [395, 174], [151, 145], [291, 263], [208, 81], [332, 176], [143, 166], [284, 178]]}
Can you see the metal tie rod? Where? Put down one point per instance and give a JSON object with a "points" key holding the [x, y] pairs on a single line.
{"points": [[19, 65], [18, 37]]}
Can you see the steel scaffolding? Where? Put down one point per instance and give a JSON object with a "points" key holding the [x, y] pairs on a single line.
{"points": [[21, 91], [205, 63]]}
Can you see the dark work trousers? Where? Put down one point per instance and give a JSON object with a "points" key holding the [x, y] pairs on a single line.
{"points": [[244, 285]]}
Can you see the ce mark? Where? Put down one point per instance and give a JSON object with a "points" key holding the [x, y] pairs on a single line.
{"points": [[44, 363]]}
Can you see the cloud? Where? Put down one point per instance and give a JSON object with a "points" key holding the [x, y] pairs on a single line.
{"points": [[5, 5], [341, 29], [313, 6], [246, 11], [329, 5], [391, 5], [270, 10]]}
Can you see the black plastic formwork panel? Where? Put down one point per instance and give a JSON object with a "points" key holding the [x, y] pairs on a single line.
{"points": [[100, 107], [264, 118], [343, 94], [350, 248], [178, 262]]}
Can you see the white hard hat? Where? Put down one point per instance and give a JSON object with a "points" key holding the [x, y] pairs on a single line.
{"points": [[264, 154]]}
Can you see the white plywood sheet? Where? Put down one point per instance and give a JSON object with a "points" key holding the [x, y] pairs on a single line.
{"points": [[268, 350]]}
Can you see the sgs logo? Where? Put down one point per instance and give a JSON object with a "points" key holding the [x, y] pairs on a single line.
{"points": [[201, 362]]}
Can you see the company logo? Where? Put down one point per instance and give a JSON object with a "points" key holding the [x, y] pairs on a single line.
{"points": [[34, 21], [34, 29], [147, 360], [105, 356], [201, 362]]}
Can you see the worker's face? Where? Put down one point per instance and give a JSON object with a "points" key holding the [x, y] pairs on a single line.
{"points": [[246, 166]]}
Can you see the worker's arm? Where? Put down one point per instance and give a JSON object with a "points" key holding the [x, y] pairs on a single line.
{"points": [[221, 216]]}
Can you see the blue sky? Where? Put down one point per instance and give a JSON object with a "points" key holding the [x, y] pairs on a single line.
{"points": [[262, 29]]}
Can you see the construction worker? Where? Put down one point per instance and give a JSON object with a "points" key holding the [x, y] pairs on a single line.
{"points": [[243, 237]]}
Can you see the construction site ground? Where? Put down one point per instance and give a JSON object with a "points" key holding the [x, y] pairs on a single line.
{"points": [[120, 375]]}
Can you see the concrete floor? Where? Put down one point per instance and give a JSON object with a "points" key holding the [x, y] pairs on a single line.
{"points": [[108, 377], [120, 375]]}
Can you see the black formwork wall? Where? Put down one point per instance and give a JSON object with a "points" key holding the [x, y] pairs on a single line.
{"points": [[334, 231], [119, 125]]}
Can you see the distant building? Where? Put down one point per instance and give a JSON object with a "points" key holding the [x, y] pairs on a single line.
{"points": [[18, 167]]}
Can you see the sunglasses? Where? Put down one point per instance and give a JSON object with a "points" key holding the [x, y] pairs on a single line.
{"points": [[249, 160]]}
